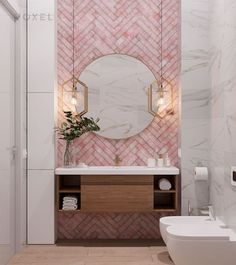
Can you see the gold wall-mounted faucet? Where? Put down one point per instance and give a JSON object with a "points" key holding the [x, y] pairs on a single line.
{"points": [[117, 161]]}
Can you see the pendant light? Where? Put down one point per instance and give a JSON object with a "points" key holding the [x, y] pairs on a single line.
{"points": [[162, 103], [75, 92]]}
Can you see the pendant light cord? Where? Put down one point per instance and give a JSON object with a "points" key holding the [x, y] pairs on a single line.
{"points": [[73, 43], [161, 21]]}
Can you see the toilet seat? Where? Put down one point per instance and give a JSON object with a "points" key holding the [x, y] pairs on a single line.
{"points": [[167, 221], [198, 232], [173, 220]]}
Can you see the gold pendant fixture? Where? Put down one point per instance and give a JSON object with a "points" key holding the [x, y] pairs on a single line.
{"points": [[74, 91], [160, 93], [160, 98], [75, 96]]}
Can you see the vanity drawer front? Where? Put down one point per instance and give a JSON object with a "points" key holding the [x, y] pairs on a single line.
{"points": [[116, 193], [117, 179]]}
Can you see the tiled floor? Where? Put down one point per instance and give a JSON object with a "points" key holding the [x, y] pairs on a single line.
{"points": [[78, 255]]}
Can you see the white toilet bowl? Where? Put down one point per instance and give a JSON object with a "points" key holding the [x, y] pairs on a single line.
{"points": [[201, 244], [178, 220]]}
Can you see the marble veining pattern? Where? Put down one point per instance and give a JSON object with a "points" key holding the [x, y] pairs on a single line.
{"points": [[118, 95], [195, 101], [223, 110]]}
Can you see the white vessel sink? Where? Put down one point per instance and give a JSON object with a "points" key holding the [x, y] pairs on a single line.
{"points": [[120, 170]]}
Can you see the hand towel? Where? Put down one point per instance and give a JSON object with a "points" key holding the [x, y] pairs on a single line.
{"points": [[164, 184], [71, 207], [70, 199], [69, 204]]}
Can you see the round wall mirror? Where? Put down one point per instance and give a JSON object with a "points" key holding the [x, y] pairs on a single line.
{"points": [[118, 95]]}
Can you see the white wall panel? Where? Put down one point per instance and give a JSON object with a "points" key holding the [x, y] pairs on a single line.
{"points": [[41, 207]]}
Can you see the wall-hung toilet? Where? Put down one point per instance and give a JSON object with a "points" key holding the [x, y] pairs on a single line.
{"points": [[178, 220], [201, 244]]}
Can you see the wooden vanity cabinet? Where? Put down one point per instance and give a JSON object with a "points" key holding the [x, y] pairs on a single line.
{"points": [[116, 193], [119, 193]]}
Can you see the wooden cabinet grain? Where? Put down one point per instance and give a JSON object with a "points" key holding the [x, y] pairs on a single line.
{"points": [[116, 193]]}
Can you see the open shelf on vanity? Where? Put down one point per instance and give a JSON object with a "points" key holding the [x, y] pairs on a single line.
{"points": [[69, 183], [166, 200], [62, 195], [68, 186]]}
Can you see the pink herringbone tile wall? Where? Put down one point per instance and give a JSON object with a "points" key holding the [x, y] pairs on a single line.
{"points": [[129, 27], [109, 225]]}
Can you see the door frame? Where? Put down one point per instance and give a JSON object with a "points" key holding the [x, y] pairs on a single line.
{"points": [[20, 120]]}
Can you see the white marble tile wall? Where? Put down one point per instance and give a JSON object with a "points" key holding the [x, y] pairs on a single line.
{"points": [[41, 117], [195, 101], [223, 107]]}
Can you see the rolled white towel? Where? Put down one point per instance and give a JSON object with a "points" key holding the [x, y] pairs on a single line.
{"points": [[164, 184]]}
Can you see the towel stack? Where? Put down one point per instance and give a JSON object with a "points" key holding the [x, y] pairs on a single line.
{"points": [[70, 203]]}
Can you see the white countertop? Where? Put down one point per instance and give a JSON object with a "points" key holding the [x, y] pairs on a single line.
{"points": [[121, 170]]}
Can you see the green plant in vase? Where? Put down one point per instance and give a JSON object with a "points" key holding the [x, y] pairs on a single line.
{"points": [[74, 127]]}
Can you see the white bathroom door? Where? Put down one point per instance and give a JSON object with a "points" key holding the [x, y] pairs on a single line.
{"points": [[7, 134]]}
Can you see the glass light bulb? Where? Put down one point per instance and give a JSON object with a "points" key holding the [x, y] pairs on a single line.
{"points": [[74, 100], [161, 101]]}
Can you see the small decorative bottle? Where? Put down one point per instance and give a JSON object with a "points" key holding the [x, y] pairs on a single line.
{"points": [[160, 160], [167, 161]]}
